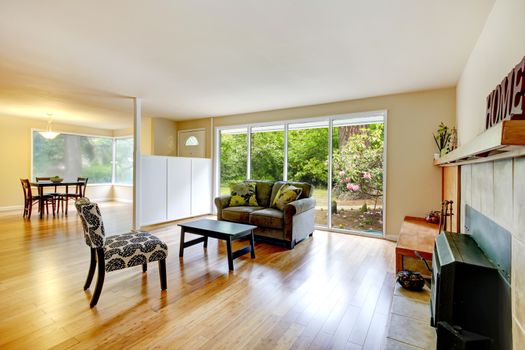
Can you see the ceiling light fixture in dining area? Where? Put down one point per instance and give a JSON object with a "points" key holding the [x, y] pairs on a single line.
{"points": [[49, 134]]}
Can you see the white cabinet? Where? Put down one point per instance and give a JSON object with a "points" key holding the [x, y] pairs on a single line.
{"points": [[179, 188], [174, 188], [153, 190], [200, 186]]}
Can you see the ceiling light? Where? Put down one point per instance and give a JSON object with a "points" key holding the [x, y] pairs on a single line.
{"points": [[49, 133]]}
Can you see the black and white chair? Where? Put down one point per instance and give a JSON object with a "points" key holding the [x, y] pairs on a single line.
{"points": [[119, 251]]}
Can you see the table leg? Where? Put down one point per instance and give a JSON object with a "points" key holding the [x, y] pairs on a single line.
{"points": [[252, 245], [230, 254], [181, 248], [205, 241], [41, 201], [399, 262], [67, 191]]}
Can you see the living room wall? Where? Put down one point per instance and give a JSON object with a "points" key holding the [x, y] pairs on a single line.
{"points": [[413, 183], [15, 143], [496, 189]]}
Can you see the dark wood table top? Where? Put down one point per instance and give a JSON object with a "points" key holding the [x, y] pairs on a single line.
{"points": [[51, 183], [222, 227]]}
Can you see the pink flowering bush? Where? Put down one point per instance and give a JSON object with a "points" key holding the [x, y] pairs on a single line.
{"points": [[358, 165]]}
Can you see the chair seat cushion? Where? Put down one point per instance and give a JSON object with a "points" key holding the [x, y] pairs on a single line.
{"points": [[133, 249], [239, 214], [271, 218]]}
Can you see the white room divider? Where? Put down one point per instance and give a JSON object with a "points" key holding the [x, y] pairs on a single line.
{"points": [[174, 188]]}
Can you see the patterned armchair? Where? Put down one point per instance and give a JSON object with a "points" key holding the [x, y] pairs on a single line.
{"points": [[119, 251]]}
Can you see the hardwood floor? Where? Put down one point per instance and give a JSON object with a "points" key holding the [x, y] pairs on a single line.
{"points": [[331, 291]]}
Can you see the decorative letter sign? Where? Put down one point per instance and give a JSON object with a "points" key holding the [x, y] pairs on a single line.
{"points": [[507, 100]]}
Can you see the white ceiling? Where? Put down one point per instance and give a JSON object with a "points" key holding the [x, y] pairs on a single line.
{"points": [[82, 60]]}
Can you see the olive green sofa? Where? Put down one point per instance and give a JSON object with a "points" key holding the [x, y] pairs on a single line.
{"points": [[290, 226]]}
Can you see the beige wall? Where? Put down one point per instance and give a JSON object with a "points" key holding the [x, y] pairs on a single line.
{"points": [[15, 148], [499, 48], [204, 123], [164, 137], [497, 189], [413, 183]]}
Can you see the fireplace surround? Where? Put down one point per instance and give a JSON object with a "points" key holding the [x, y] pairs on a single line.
{"points": [[471, 287]]}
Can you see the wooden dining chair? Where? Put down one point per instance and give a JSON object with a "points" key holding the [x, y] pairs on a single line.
{"points": [[80, 192], [30, 200], [117, 252]]}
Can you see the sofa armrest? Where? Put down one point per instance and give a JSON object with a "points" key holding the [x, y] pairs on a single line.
{"points": [[222, 202], [298, 207]]}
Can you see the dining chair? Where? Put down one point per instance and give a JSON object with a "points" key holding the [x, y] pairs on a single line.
{"points": [[80, 192], [119, 251], [30, 200]]}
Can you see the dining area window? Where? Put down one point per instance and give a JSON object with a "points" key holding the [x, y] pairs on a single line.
{"points": [[104, 160]]}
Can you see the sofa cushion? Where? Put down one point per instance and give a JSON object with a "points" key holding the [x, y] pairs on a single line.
{"points": [[286, 194], [263, 192], [307, 189], [238, 214], [272, 218], [243, 193]]}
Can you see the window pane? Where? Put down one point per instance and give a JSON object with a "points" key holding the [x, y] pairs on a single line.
{"points": [[234, 154], [357, 173], [308, 162], [267, 153], [72, 156], [124, 161]]}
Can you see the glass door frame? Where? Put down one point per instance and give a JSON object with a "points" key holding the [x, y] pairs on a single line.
{"points": [[286, 123]]}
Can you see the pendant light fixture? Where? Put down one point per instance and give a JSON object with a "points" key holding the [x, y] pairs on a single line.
{"points": [[49, 134]]}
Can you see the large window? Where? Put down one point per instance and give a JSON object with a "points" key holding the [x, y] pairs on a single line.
{"points": [[234, 157], [308, 162], [124, 160], [267, 153], [341, 156], [71, 156]]}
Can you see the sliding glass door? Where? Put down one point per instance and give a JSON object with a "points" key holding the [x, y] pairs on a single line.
{"points": [[341, 156], [357, 174]]}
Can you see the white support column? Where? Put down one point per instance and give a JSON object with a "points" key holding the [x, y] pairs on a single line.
{"points": [[137, 119]]}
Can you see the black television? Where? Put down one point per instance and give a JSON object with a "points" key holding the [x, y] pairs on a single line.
{"points": [[468, 291]]}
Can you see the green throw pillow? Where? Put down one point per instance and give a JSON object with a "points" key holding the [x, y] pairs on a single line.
{"points": [[286, 194], [243, 193]]}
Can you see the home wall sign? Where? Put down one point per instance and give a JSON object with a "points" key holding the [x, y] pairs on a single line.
{"points": [[507, 100]]}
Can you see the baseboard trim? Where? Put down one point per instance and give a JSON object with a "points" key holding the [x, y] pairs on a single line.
{"points": [[11, 208], [123, 200]]}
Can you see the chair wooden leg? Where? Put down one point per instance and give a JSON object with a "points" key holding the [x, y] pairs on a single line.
{"points": [[162, 274], [92, 266], [30, 210], [145, 267], [100, 277]]}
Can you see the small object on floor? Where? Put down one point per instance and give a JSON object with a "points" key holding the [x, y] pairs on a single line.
{"points": [[411, 280]]}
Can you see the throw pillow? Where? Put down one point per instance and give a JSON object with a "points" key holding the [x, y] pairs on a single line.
{"points": [[286, 194], [243, 193]]}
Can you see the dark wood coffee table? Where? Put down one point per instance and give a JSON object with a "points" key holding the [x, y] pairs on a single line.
{"points": [[227, 231]]}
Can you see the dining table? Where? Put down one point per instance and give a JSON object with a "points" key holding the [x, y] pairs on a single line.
{"points": [[43, 184]]}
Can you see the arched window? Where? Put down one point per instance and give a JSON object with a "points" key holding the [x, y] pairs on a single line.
{"points": [[192, 141]]}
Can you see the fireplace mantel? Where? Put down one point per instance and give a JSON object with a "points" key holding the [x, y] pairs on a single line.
{"points": [[504, 140]]}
